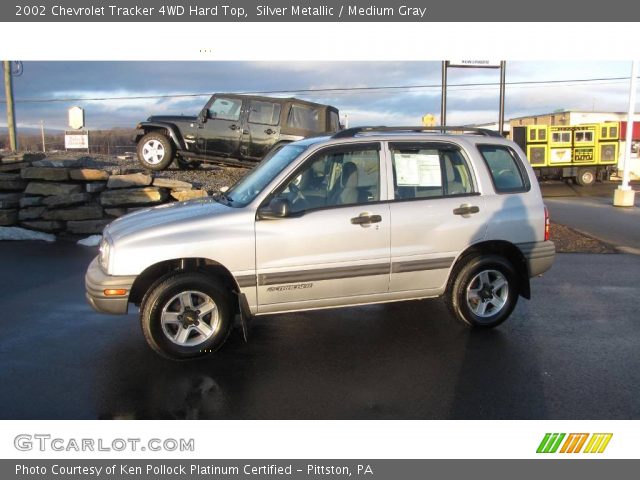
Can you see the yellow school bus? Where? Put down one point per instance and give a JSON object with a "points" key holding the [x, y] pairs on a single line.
{"points": [[581, 152]]}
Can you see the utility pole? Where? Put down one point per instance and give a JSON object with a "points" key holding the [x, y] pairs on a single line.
{"points": [[443, 97], [624, 195], [44, 147], [503, 67], [8, 94]]}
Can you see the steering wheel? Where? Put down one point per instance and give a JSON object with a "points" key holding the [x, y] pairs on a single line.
{"points": [[298, 199]]}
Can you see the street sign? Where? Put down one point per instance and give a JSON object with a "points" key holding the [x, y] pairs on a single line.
{"points": [[76, 118], [76, 140], [429, 120], [474, 63]]}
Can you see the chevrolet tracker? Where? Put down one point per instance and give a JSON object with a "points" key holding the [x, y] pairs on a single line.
{"points": [[367, 215]]}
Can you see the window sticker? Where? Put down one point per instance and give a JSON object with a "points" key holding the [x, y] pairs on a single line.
{"points": [[418, 170]]}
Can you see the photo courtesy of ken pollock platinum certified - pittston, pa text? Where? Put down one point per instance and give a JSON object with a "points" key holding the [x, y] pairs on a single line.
{"points": [[222, 11], [191, 469]]}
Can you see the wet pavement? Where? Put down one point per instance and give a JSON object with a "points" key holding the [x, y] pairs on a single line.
{"points": [[590, 210], [569, 353]]}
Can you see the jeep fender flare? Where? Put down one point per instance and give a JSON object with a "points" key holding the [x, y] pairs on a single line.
{"points": [[169, 129]]}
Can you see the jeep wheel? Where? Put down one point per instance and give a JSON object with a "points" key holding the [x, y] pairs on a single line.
{"points": [[484, 291], [586, 177], [186, 315], [155, 151]]}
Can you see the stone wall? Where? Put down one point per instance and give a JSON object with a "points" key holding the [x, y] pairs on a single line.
{"points": [[58, 195]]}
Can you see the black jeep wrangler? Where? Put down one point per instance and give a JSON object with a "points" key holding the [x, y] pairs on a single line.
{"points": [[231, 129]]}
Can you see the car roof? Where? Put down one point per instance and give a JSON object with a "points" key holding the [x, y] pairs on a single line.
{"points": [[273, 99], [421, 134]]}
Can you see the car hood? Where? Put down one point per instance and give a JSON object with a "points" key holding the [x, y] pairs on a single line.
{"points": [[165, 219]]}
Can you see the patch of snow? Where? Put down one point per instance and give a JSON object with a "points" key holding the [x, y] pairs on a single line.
{"points": [[92, 241], [18, 233]]}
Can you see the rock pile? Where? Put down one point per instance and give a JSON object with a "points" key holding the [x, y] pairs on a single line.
{"points": [[56, 195]]}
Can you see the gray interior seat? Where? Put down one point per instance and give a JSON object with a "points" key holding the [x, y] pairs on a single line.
{"points": [[347, 191], [454, 182]]}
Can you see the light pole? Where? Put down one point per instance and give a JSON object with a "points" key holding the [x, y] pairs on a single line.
{"points": [[44, 146], [11, 117], [624, 195], [443, 95]]}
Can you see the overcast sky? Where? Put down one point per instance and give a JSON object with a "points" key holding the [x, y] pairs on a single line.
{"points": [[478, 104]]}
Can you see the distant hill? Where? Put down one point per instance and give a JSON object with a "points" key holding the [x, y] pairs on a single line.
{"points": [[110, 141], [31, 131]]}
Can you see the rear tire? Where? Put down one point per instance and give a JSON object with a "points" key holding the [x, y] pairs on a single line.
{"points": [[155, 151], [186, 315], [484, 291], [586, 177]]}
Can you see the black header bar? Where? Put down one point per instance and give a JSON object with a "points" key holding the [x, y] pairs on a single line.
{"points": [[317, 11]]}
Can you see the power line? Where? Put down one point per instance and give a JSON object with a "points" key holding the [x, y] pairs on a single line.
{"points": [[339, 90]]}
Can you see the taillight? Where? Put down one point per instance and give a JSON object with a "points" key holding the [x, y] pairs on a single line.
{"points": [[547, 225]]}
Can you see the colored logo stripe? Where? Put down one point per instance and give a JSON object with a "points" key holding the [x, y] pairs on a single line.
{"points": [[550, 443], [574, 443], [597, 442]]}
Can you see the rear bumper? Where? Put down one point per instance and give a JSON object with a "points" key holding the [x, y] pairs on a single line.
{"points": [[96, 282], [539, 256]]}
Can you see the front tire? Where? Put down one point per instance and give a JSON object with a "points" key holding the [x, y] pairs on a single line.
{"points": [[155, 151], [186, 315], [484, 291]]}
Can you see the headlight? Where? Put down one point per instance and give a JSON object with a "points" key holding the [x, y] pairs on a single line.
{"points": [[105, 252]]}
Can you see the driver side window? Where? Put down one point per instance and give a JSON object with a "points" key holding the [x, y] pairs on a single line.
{"points": [[335, 178], [225, 109]]}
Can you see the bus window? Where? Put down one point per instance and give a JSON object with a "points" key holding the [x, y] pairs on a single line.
{"points": [[584, 136], [561, 137]]}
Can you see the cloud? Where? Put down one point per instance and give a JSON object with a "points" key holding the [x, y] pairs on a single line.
{"points": [[86, 80]]}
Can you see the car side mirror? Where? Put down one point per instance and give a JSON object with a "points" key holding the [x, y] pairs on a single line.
{"points": [[277, 208], [204, 115]]}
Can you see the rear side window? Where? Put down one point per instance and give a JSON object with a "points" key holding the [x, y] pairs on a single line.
{"points": [[264, 113], [304, 117], [429, 171], [505, 168]]}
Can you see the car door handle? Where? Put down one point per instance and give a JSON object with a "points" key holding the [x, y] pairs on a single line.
{"points": [[466, 209], [269, 131], [233, 127], [366, 219]]}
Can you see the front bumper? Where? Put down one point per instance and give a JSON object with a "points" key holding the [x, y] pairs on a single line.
{"points": [[539, 256], [96, 282]]}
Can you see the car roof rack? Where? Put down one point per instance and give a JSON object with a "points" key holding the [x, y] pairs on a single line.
{"points": [[352, 132]]}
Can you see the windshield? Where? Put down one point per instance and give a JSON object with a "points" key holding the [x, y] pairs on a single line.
{"points": [[250, 186]]}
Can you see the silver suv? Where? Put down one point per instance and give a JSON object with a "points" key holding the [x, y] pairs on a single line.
{"points": [[368, 215]]}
